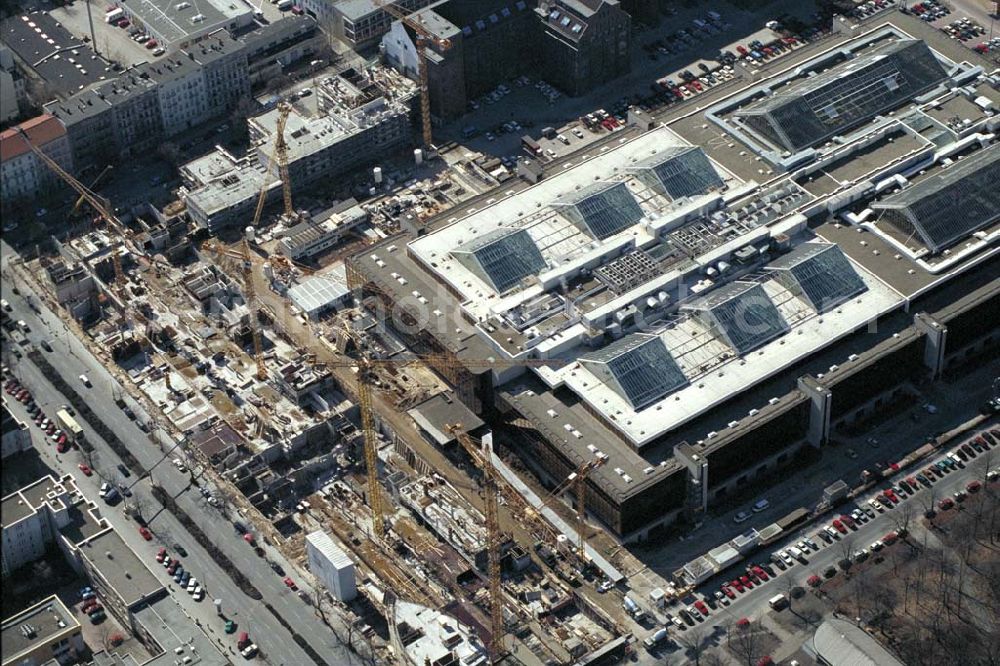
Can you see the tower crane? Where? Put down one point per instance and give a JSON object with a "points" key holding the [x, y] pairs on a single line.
{"points": [[99, 204], [484, 459], [578, 481], [423, 38], [279, 154], [245, 255]]}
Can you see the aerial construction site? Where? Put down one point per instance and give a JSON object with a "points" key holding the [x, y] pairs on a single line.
{"points": [[479, 409]]}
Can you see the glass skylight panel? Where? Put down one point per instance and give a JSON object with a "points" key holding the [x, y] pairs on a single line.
{"points": [[948, 206], [678, 171], [602, 209], [638, 368], [741, 314], [820, 273], [816, 108], [503, 258]]}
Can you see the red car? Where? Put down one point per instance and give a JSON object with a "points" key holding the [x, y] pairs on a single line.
{"points": [[702, 608], [747, 583], [891, 495], [146, 534], [728, 592], [973, 486], [289, 582], [151, 44], [160, 554], [742, 50], [172, 568], [839, 526], [946, 504], [61, 447], [86, 470], [760, 573], [847, 520], [737, 584]]}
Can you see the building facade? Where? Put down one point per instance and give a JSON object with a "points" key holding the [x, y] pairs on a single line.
{"points": [[586, 43], [22, 173], [358, 23], [16, 437], [574, 44], [134, 112]]}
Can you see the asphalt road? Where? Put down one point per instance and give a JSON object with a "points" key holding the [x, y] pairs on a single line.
{"points": [[71, 359]]}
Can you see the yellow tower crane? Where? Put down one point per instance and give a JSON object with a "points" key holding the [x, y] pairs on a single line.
{"points": [[102, 206], [578, 481], [483, 457], [245, 255], [279, 154], [423, 38]]}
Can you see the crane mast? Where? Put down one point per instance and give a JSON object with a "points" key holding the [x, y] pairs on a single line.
{"points": [[494, 537], [100, 205], [423, 38]]}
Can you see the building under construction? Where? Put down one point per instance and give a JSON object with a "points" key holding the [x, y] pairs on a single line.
{"points": [[362, 116]]}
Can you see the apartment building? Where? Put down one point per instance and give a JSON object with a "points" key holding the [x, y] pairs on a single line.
{"points": [[16, 436], [23, 175], [358, 23], [586, 43], [135, 111]]}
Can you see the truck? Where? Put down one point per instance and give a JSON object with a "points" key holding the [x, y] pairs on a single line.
{"points": [[115, 15], [69, 425], [656, 638]]}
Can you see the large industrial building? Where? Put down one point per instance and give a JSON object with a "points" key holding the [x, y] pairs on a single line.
{"points": [[663, 278]]}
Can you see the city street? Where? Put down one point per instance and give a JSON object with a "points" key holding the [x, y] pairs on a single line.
{"points": [[72, 359], [753, 603]]}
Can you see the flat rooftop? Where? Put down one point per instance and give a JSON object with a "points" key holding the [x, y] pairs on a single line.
{"points": [[441, 636], [66, 63], [50, 621], [177, 634], [121, 567], [176, 21]]}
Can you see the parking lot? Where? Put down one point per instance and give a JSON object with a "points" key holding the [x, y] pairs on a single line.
{"points": [[534, 106], [854, 533], [111, 41]]}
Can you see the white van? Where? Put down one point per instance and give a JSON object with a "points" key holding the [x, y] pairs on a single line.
{"points": [[5, 305], [777, 602]]}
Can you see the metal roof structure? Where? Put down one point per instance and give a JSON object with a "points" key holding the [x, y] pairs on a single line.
{"points": [[502, 257], [840, 642], [951, 204], [638, 368], [317, 293], [601, 210], [818, 272], [678, 171], [742, 314], [816, 108]]}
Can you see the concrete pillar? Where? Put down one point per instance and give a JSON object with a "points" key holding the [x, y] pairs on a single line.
{"points": [[697, 467], [821, 399], [936, 343]]}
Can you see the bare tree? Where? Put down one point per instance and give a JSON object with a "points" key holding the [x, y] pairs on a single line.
{"points": [[695, 643], [747, 643], [901, 519]]}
